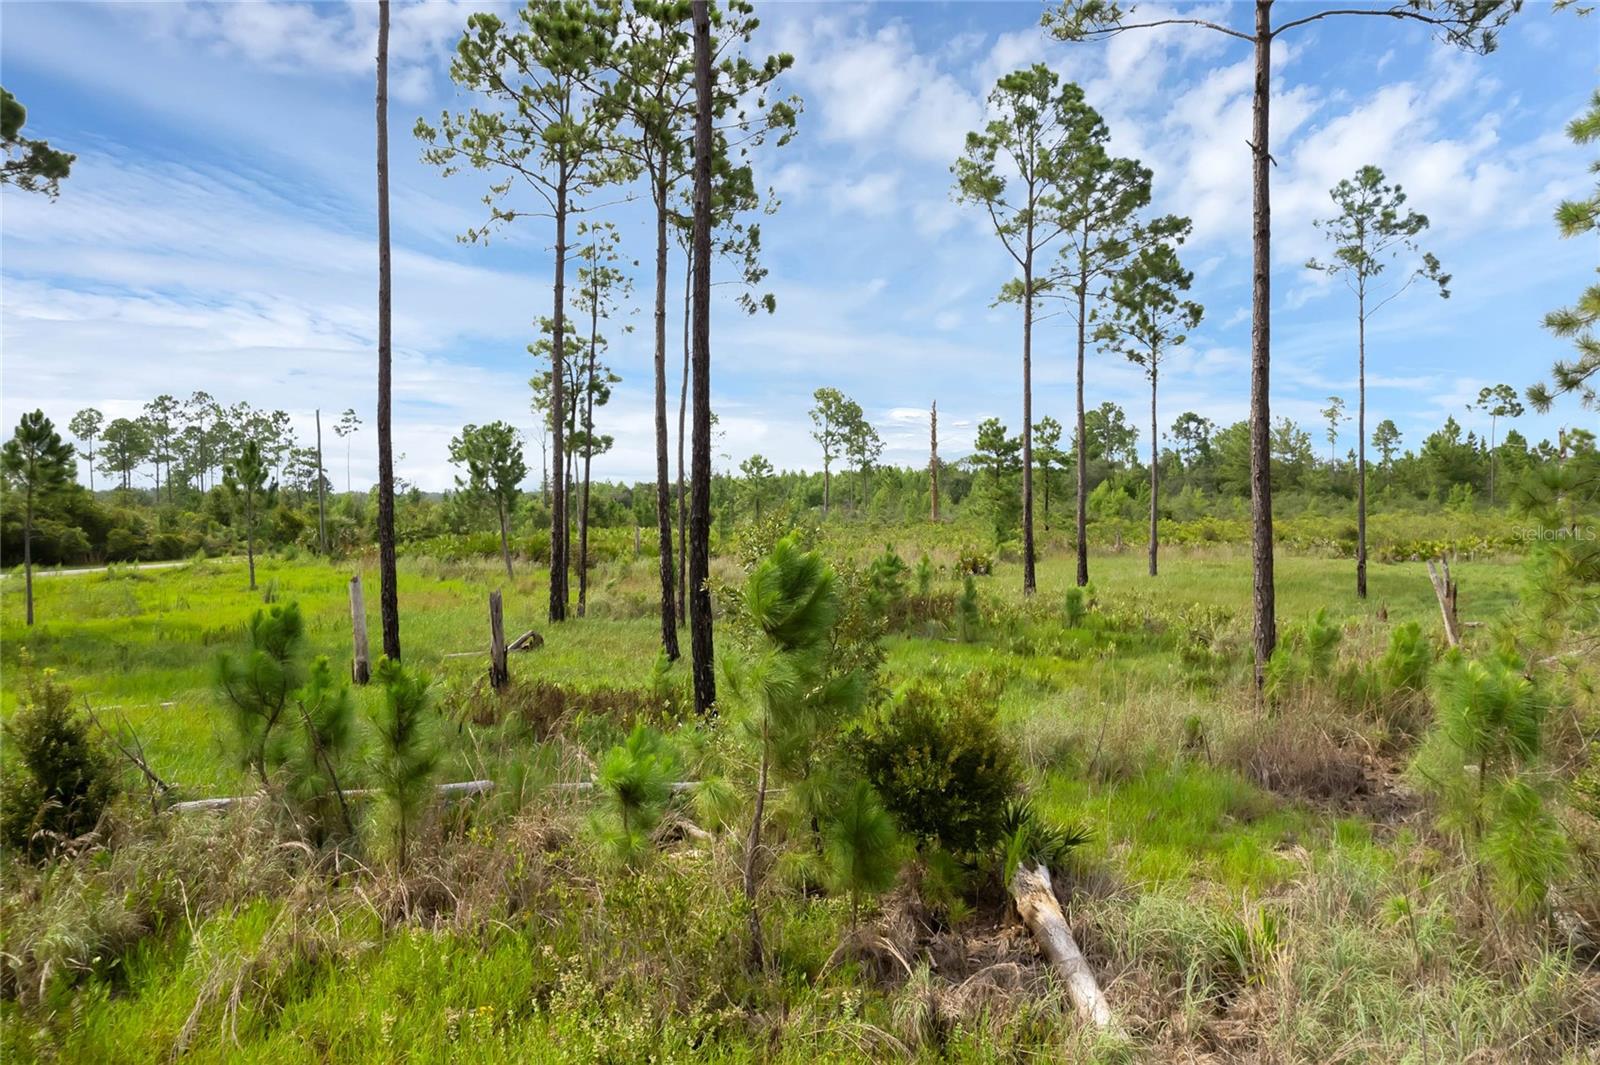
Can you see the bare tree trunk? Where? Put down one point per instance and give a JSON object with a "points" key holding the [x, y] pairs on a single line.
{"points": [[499, 671], [505, 543], [588, 449], [1155, 475], [683, 411], [1265, 628], [558, 477], [360, 666], [388, 589], [1029, 578], [705, 682], [933, 458], [322, 508], [1082, 495], [250, 546], [27, 556], [669, 614], [1361, 447]]}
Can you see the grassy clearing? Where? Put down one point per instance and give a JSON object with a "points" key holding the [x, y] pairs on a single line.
{"points": [[1230, 919]]}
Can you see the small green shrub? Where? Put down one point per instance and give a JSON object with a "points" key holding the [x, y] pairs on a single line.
{"points": [[975, 562], [938, 759], [257, 687], [61, 779]]}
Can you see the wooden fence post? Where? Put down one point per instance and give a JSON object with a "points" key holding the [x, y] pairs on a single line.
{"points": [[360, 667], [499, 674]]}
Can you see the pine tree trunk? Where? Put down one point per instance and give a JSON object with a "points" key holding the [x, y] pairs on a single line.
{"points": [[27, 556], [1029, 577], [683, 411], [705, 684], [1155, 475], [933, 459], [588, 448], [1082, 496], [322, 509], [505, 542], [558, 477], [1361, 448], [250, 544], [1265, 627], [669, 611], [388, 590]]}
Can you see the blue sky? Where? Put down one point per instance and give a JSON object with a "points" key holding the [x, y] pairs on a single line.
{"points": [[217, 231]]}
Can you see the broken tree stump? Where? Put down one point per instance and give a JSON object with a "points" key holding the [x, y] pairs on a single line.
{"points": [[1444, 589], [360, 665], [499, 673]]}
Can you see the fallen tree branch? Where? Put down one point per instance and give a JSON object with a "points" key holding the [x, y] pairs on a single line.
{"points": [[134, 754], [1036, 902]]}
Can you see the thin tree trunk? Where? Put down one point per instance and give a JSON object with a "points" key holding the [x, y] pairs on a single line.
{"points": [[669, 613], [1361, 447], [933, 459], [250, 545], [683, 411], [388, 588], [1029, 578], [91, 464], [588, 450], [505, 543], [27, 555], [1155, 476], [705, 683], [1265, 628], [1082, 495], [558, 478], [322, 509]]}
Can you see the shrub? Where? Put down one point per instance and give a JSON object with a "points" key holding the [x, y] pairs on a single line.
{"points": [[937, 758], [61, 779], [975, 562]]}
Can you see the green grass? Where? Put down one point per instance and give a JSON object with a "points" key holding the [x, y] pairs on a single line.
{"points": [[637, 964]]}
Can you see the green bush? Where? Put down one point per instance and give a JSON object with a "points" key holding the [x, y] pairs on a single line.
{"points": [[938, 760], [60, 780]]}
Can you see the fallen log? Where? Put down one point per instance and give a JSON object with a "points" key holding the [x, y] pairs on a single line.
{"points": [[526, 642], [460, 789], [1036, 902]]}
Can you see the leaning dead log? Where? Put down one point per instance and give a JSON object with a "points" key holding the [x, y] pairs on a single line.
{"points": [[1036, 901]]}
